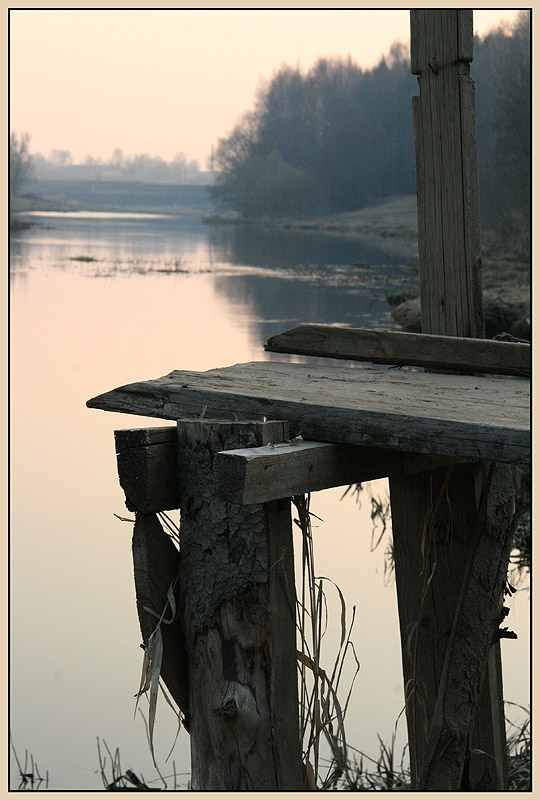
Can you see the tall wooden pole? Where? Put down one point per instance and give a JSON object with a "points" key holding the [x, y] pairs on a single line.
{"points": [[447, 173], [436, 516]]}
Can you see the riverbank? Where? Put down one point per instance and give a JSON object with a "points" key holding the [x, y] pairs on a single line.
{"points": [[392, 225], [507, 299]]}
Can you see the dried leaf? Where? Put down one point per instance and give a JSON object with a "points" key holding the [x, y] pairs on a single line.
{"points": [[153, 656], [154, 687], [409, 640], [144, 685], [170, 602], [343, 609]]}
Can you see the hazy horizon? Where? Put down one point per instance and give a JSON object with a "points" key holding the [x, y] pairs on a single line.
{"points": [[162, 82]]}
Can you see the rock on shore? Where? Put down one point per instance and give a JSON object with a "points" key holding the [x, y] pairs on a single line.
{"points": [[501, 315]]}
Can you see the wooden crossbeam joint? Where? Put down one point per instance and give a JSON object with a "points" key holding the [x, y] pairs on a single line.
{"points": [[147, 457]]}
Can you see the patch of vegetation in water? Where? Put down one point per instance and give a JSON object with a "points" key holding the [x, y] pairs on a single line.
{"points": [[17, 224], [363, 264]]}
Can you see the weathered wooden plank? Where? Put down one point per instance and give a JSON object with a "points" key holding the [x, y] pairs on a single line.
{"points": [[402, 349], [488, 768], [146, 460], [238, 618], [453, 415], [283, 689], [260, 474], [155, 565]]}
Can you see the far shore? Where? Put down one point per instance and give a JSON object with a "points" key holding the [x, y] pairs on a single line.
{"points": [[390, 224]]}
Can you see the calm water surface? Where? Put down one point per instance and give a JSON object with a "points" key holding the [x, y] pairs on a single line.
{"points": [[101, 300]]}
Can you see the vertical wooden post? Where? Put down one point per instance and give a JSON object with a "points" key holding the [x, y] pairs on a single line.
{"points": [[238, 616], [435, 514], [447, 173]]}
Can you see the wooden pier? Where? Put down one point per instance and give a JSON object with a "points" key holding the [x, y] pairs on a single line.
{"points": [[447, 426], [453, 415]]}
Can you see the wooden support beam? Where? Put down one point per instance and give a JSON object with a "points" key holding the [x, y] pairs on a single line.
{"points": [[475, 629], [266, 473], [435, 514], [403, 349], [256, 474], [146, 461], [238, 618]]}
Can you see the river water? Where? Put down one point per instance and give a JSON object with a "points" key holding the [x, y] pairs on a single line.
{"points": [[100, 300]]}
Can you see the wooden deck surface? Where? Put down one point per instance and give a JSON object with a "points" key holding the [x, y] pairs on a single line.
{"points": [[455, 415]]}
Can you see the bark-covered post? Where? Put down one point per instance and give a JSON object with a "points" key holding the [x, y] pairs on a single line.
{"points": [[238, 615], [439, 528]]}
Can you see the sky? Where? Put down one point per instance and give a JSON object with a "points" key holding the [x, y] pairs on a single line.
{"points": [[161, 81]]}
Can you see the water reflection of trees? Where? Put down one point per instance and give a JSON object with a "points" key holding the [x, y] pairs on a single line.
{"points": [[274, 248], [18, 276], [277, 303], [308, 277]]}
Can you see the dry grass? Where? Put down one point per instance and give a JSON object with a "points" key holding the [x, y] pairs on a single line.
{"points": [[150, 682], [120, 780], [322, 714], [30, 778], [519, 751], [387, 771]]}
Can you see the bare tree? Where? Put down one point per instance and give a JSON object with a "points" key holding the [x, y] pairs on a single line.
{"points": [[20, 162]]}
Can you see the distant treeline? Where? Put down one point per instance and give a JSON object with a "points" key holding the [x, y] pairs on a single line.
{"points": [[142, 168], [502, 72], [99, 195], [338, 137]]}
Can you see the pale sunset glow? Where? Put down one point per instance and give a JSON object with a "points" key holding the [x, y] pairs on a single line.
{"points": [[167, 81]]}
